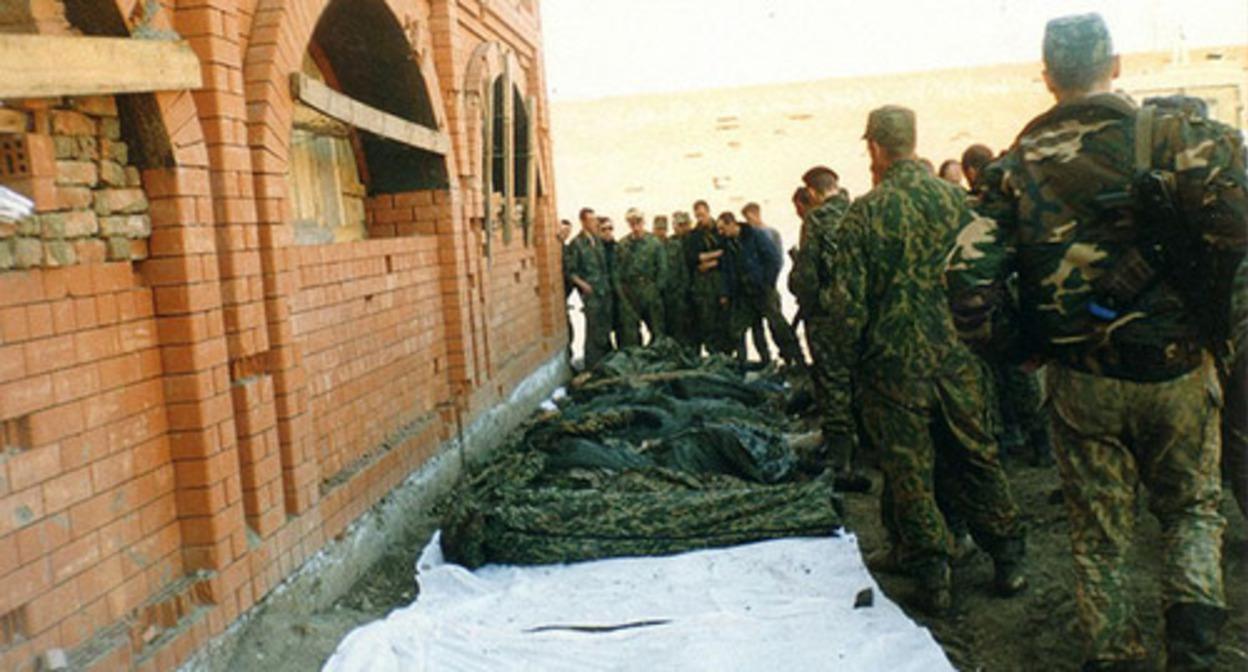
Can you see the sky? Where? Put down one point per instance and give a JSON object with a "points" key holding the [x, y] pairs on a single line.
{"points": [[603, 48]]}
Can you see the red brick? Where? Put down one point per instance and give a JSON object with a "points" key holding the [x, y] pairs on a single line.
{"points": [[14, 325], [64, 319], [39, 320], [32, 467], [23, 585], [64, 491], [75, 383], [56, 423], [25, 396], [12, 363], [71, 560], [20, 287], [106, 308]]}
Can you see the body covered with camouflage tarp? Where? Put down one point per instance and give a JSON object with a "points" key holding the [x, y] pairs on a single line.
{"points": [[655, 453]]}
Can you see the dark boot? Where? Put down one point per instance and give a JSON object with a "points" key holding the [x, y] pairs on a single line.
{"points": [[1192, 636], [1008, 577], [935, 587]]}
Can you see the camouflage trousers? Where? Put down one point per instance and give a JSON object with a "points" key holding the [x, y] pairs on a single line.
{"points": [[639, 302], [677, 319], [1235, 430], [946, 418], [1018, 397], [1109, 436], [833, 387], [598, 309]]}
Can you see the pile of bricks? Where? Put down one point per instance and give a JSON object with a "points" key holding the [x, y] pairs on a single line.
{"points": [[88, 197]]}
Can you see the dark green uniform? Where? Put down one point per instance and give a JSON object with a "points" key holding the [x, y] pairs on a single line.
{"points": [[830, 376], [640, 267], [920, 389], [586, 259], [676, 314], [708, 291], [1133, 394]]}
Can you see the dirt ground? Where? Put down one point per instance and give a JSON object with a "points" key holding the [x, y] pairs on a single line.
{"points": [[1038, 630], [1034, 631]]}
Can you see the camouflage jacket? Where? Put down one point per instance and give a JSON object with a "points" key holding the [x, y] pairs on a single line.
{"points": [[1046, 217], [887, 291], [809, 274], [585, 257], [640, 261], [677, 276]]}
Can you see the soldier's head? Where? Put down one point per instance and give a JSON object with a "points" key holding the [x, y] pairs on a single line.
{"points": [[589, 220], [702, 212], [727, 224], [606, 230], [753, 214], [821, 183], [1078, 56], [974, 160], [636, 222], [801, 201], [951, 171], [659, 228], [890, 137], [680, 222], [565, 231]]}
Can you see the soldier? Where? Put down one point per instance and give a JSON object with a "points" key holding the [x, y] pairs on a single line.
{"points": [[919, 388], [708, 289], [765, 297], [606, 233], [1131, 388], [659, 228], [830, 381], [974, 159], [587, 270], [641, 266], [563, 234], [677, 317]]}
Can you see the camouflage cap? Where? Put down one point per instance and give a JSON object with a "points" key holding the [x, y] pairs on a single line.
{"points": [[633, 213], [681, 217], [891, 126], [1077, 42], [660, 222]]}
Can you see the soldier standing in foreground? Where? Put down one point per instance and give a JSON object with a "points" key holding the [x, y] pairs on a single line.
{"points": [[920, 389], [831, 379], [1132, 387], [587, 270], [640, 270]]}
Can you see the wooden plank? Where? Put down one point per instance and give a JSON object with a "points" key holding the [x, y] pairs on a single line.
{"points": [[12, 121], [44, 66], [339, 106], [509, 154]]}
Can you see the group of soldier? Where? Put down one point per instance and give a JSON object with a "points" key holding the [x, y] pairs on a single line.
{"points": [[1104, 249], [704, 284]]}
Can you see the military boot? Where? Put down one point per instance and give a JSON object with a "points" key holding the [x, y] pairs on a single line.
{"points": [[1008, 577], [935, 587], [1192, 636]]}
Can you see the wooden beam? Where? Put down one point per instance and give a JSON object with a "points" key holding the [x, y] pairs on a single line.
{"points": [[367, 118], [45, 66], [509, 153]]}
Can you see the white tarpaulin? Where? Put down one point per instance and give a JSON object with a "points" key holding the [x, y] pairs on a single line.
{"points": [[776, 605]]}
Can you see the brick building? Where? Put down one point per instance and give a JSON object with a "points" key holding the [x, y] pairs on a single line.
{"points": [[280, 250]]}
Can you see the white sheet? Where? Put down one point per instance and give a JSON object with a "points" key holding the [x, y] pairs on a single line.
{"points": [[775, 605]]}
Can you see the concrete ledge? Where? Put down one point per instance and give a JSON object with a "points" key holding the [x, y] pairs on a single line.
{"points": [[401, 514]]}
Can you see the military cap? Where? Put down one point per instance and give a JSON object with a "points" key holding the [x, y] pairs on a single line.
{"points": [[1077, 42], [891, 126], [660, 222], [681, 217], [633, 213]]}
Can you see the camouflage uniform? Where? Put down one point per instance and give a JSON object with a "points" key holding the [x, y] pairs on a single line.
{"points": [[708, 292], [586, 259], [1132, 393], [676, 313], [641, 267], [1235, 382], [920, 390], [812, 269]]}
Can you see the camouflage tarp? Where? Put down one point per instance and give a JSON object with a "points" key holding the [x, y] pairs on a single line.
{"points": [[654, 453]]}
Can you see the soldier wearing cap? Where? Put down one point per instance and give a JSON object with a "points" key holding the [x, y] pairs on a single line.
{"points": [[919, 389], [708, 284], [676, 314], [1132, 393], [640, 268]]}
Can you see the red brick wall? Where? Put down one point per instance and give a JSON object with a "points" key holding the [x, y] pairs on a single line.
{"points": [[190, 405]]}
